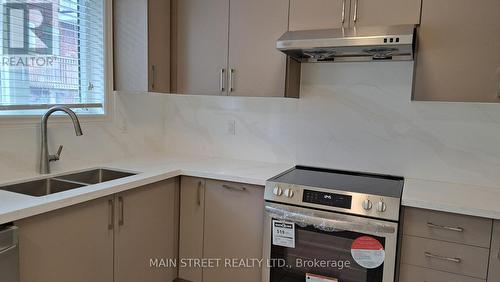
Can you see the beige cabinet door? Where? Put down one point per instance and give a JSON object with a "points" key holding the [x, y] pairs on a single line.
{"points": [[71, 244], [200, 49], [318, 14], [494, 269], [159, 45], [385, 12], [145, 229], [130, 45], [257, 68], [233, 229], [458, 61], [191, 225]]}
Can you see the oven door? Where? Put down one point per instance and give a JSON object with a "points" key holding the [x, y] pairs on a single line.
{"points": [[323, 242]]}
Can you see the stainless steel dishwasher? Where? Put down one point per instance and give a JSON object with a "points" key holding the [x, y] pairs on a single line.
{"points": [[9, 254]]}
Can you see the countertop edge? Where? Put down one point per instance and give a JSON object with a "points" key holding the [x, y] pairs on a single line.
{"points": [[31, 206], [417, 193]]}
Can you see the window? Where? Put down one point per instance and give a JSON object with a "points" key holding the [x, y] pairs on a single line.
{"points": [[52, 54]]}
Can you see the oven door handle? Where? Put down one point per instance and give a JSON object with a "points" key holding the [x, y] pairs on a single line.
{"points": [[305, 217]]}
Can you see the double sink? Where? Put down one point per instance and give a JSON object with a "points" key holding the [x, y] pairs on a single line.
{"points": [[65, 182]]}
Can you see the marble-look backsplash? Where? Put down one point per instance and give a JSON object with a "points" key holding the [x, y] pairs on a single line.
{"points": [[354, 116]]}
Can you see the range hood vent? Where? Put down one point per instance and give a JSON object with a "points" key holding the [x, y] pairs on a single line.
{"points": [[350, 45]]}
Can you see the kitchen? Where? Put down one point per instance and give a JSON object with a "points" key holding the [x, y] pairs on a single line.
{"points": [[195, 126]]}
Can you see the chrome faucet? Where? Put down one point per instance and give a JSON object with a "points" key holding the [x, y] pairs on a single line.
{"points": [[45, 157]]}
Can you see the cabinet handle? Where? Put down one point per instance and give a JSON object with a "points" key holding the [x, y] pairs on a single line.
{"points": [[4, 250], [120, 215], [111, 214], [240, 189], [456, 260], [231, 80], [222, 77], [450, 228], [355, 18], [498, 90], [198, 194], [343, 12], [153, 78]]}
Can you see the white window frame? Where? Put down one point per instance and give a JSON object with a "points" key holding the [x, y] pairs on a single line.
{"points": [[109, 97]]}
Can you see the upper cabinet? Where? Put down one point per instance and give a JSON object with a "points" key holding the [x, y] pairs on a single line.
{"points": [[159, 45], [228, 47], [385, 12], [458, 51], [141, 45], [256, 67], [325, 14], [130, 42], [200, 46], [318, 14]]}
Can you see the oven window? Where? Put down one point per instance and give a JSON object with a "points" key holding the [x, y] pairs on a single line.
{"points": [[322, 253]]}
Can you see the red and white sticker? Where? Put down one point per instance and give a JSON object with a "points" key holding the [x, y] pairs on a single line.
{"points": [[368, 252]]}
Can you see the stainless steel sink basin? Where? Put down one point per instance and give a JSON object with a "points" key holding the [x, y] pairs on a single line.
{"points": [[95, 176], [41, 187]]}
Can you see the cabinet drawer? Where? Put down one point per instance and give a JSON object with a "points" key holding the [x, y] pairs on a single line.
{"points": [[449, 227], [410, 273], [445, 256]]}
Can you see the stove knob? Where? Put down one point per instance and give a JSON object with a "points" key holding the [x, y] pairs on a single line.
{"points": [[381, 207], [367, 204], [277, 191], [289, 193]]}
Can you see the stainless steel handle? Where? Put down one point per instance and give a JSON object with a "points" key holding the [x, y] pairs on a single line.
{"points": [[231, 80], [153, 76], [121, 219], [316, 219], [450, 228], [198, 194], [4, 250], [57, 155], [355, 16], [239, 189], [111, 214], [433, 256], [343, 12], [222, 77]]}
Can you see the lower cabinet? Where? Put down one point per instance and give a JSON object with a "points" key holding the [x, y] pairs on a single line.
{"points": [[494, 270], [70, 244], [410, 273], [146, 229], [220, 220], [446, 247], [108, 239]]}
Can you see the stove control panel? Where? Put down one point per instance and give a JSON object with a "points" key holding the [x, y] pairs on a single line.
{"points": [[335, 200], [327, 199]]}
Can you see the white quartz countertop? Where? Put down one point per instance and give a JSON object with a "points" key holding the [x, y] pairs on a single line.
{"points": [[15, 206], [451, 197], [435, 195]]}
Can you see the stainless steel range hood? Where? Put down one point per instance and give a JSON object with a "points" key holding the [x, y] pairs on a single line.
{"points": [[349, 45]]}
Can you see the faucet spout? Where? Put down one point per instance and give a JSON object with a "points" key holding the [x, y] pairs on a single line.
{"points": [[45, 157]]}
